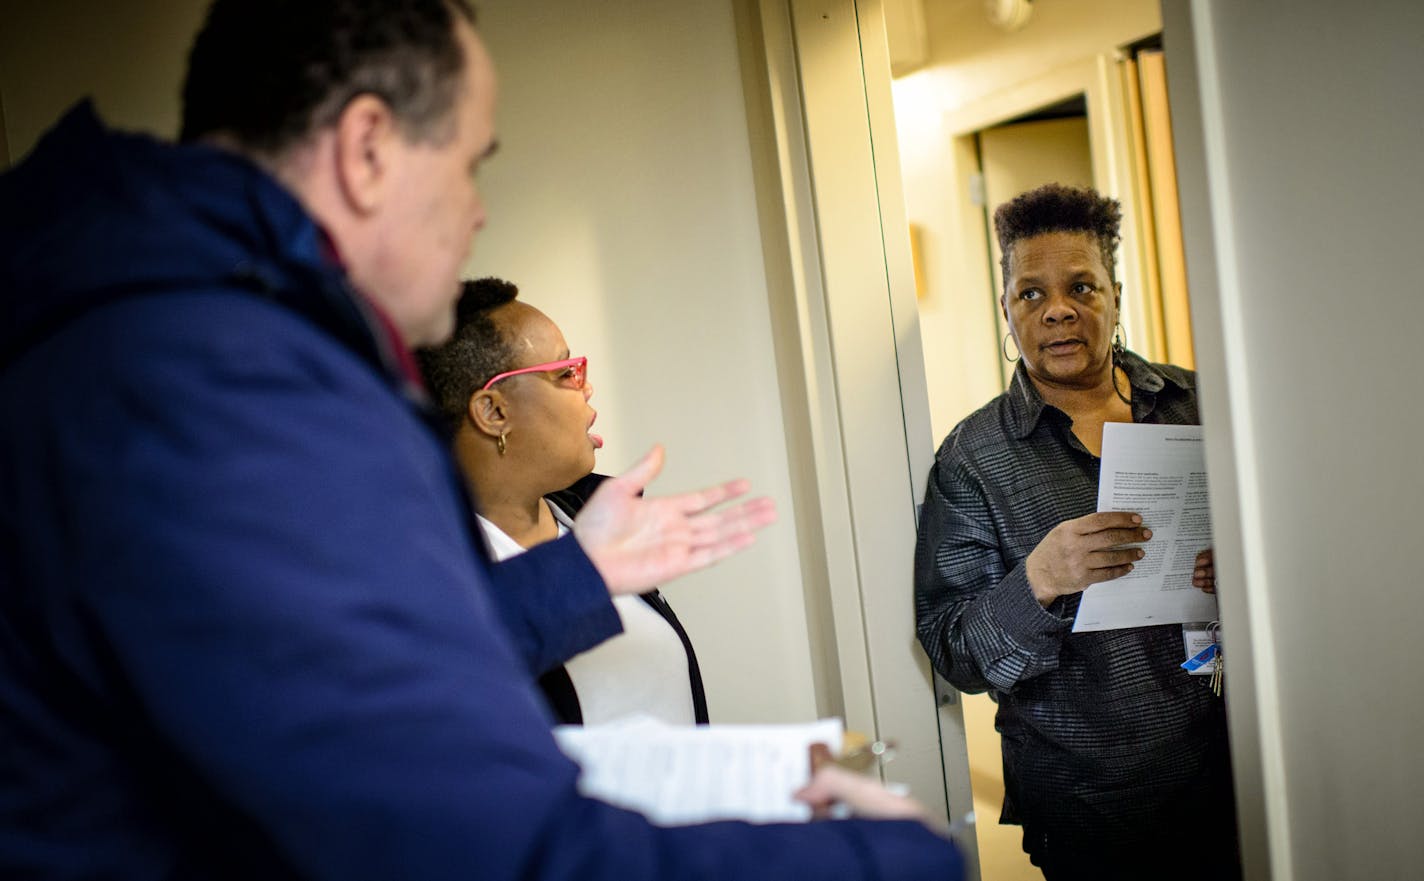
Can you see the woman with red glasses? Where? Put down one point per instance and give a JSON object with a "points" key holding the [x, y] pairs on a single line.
{"points": [[516, 407]]}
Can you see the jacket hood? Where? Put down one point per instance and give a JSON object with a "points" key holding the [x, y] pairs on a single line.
{"points": [[94, 215]]}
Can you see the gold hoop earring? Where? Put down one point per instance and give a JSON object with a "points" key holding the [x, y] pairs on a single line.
{"points": [[501, 444], [1004, 349]]}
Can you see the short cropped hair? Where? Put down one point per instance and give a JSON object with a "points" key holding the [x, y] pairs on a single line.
{"points": [[476, 353], [269, 73], [1059, 208]]}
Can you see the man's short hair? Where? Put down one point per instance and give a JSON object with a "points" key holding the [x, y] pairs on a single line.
{"points": [[1059, 208], [268, 73], [474, 354]]}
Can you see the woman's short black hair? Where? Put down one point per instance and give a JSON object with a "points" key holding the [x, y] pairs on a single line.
{"points": [[1059, 208], [268, 73], [474, 354]]}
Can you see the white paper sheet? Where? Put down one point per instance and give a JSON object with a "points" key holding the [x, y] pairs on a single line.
{"points": [[675, 775], [1157, 471]]}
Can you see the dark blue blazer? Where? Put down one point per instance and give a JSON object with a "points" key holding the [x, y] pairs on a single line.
{"points": [[245, 631]]}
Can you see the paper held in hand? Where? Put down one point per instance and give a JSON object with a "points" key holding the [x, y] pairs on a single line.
{"points": [[676, 775], [1157, 471]]}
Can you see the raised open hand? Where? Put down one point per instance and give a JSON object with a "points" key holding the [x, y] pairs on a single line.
{"points": [[637, 543], [1084, 551]]}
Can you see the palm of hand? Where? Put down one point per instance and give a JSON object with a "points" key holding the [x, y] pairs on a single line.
{"points": [[637, 543]]}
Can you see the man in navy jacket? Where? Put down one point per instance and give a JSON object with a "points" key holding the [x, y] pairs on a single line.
{"points": [[245, 630]]}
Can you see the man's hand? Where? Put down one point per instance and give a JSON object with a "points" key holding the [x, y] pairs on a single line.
{"points": [[1204, 575], [861, 794], [1084, 551], [639, 543]]}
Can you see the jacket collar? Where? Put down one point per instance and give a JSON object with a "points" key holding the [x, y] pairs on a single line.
{"points": [[93, 215]]}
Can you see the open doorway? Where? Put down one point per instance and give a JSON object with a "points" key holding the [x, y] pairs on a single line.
{"points": [[1097, 119]]}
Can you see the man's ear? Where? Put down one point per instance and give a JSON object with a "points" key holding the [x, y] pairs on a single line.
{"points": [[1004, 305], [1117, 297], [488, 412], [366, 141]]}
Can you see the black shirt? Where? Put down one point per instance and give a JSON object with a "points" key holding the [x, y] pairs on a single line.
{"points": [[1106, 740]]}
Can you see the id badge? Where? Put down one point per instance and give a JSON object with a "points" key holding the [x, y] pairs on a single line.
{"points": [[1200, 640]]}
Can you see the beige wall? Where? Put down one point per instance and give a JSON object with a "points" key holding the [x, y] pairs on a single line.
{"points": [[128, 56], [1300, 197], [622, 202], [972, 68]]}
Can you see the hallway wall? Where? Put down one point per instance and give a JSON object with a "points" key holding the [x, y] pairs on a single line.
{"points": [[1298, 155]]}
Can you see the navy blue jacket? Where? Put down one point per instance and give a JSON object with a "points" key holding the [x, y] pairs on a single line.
{"points": [[244, 629]]}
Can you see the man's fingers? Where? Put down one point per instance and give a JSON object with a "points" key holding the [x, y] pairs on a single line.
{"points": [[862, 794], [1204, 575], [1109, 538], [1102, 520], [1107, 574], [820, 793], [1112, 557]]}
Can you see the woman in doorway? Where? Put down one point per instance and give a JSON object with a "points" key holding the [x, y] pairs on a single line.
{"points": [[516, 407], [1115, 759]]}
